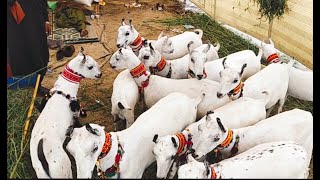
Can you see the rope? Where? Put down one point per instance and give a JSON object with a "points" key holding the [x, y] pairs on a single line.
{"points": [[24, 77]]}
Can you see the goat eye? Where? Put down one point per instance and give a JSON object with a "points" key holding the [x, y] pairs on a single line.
{"points": [[235, 81], [127, 34], [94, 149], [216, 139], [117, 59], [172, 157], [192, 60], [90, 67]]}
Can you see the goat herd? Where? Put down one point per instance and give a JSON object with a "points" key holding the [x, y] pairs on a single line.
{"points": [[208, 117]]}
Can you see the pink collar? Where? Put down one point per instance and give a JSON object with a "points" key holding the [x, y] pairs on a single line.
{"points": [[71, 76]]}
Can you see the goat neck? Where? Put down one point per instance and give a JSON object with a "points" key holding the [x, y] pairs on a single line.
{"points": [[160, 70], [138, 72], [66, 86], [230, 146], [107, 161]]}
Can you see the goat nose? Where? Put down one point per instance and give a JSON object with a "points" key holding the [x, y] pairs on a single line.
{"points": [[219, 95], [99, 75], [118, 45], [199, 76], [145, 57], [194, 155]]}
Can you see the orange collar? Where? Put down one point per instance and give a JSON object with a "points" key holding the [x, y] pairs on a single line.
{"points": [[138, 71], [160, 66], [213, 173], [227, 141], [237, 89], [272, 57], [182, 142], [106, 147], [137, 43]]}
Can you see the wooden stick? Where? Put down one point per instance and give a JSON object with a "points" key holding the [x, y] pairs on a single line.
{"points": [[30, 109]]}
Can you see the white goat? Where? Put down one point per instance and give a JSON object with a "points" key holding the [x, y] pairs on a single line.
{"points": [[92, 144], [294, 125], [199, 67], [300, 81], [280, 159], [48, 157], [129, 36], [125, 95], [155, 87], [171, 48], [274, 79], [175, 69], [242, 112]]}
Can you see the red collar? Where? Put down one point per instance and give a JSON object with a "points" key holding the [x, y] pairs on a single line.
{"points": [[272, 57], [106, 146], [138, 71], [236, 90], [71, 76], [213, 173], [137, 43], [182, 142], [160, 66]]}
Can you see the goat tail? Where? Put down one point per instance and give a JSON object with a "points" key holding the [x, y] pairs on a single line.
{"points": [[198, 99], [199, 32], [259, 56], [217, 46], [267, 97]]}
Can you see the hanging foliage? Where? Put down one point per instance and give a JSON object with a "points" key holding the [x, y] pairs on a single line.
{"points": [[272, 8]]}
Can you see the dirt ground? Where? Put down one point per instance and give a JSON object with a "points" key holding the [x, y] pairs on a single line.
{"points": [[92, 91], [95, 94]]}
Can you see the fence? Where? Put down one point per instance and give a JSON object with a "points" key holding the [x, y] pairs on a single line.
{"points": [[291, 34]]}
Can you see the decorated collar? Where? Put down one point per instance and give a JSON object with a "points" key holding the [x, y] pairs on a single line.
{"points": [[228, 140], [236, 90], [274, 58], [138, 71], [71, 76], [193, 75], [137, 43], [115, 168], [183, 142], [159, 67], [213, 173], [106, 146], [225, 144]]}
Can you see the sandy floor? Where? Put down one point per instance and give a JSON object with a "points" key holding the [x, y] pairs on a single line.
{"points": [[95, 95]]}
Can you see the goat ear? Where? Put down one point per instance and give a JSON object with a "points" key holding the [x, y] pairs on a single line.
{"points": [[242, 69], [188, 46], [221, 125], [91, 130], [122, 22], [207, 48], [160, 35], [155, 138], [145, 43], [120, 51], [151, 49], [210, 112], [271, 42], [84, 59], [224, 63], [174, 142], [130, 23]]}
